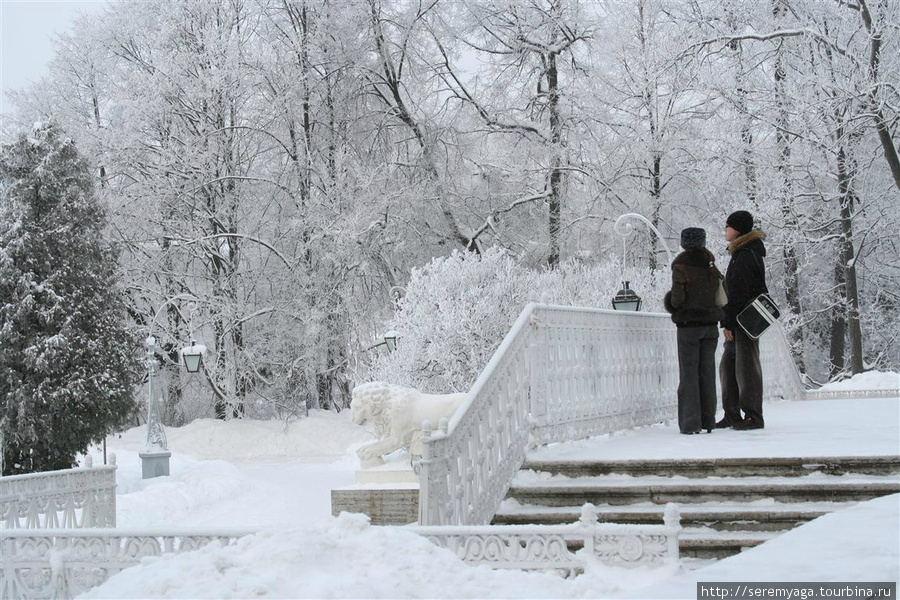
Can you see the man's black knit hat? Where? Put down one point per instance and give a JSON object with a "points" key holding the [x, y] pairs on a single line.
{"points": [[741, 221], [693, 237]]}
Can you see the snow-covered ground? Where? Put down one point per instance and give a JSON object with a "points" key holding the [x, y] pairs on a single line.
{"points": [[278, 479]]}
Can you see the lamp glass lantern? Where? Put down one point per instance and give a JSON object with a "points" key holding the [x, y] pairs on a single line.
{"points": [[626, 299], [390, 340], [193, 357]]}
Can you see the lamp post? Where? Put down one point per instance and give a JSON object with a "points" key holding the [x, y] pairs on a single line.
{"points": [[625, 229], [627, 298], [155, 457]]}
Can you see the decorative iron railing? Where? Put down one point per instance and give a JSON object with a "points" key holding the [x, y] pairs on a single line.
{"points": [[546, 547], [70, 499], [63, 563], [561, 373]]}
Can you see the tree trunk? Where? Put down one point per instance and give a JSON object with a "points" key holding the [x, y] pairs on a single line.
{"points": [[846, 173], [747, 151], [655, 193], [555, 200], [789, 251], [881, 125], [744, 113], [838, 343]]}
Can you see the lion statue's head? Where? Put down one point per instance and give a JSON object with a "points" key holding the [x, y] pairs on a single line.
{"points": [[368, 405]]}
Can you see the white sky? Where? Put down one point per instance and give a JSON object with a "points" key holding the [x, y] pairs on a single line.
{"points": [[26, 28]]}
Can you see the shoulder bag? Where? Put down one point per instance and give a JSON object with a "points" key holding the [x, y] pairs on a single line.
{"points": [[721, 294], [757, 316]]}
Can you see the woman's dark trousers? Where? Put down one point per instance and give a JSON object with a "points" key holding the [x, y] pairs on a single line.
{"points": [[697, 377], [740, 373]]}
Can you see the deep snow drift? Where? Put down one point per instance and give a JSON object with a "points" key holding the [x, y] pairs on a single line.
{"points": [[278, 480]]}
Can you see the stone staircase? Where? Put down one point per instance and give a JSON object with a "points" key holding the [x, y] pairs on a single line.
{"points": [[726, 504]]}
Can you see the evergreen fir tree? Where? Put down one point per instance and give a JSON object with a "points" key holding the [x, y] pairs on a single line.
{"points": [[68, 364]]}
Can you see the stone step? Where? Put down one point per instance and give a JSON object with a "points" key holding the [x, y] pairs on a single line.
{"points": [[715, 544], [722, 467], [719, 517], [576, 492], [726, 504]]}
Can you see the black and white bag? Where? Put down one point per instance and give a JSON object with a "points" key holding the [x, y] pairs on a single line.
{"points": [[756, 318]]}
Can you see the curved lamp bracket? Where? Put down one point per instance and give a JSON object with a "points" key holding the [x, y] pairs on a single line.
{"points": [[625, 229]]}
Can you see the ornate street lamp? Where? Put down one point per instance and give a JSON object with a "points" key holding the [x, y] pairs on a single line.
{"points": [[193, 356], [155, 457], [390, 340], [626, 299]]}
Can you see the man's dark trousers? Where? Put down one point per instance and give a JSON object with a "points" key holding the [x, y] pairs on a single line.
{"points": [[697, 371], [740, 373]]}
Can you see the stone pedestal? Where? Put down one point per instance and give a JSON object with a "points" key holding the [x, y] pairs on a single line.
{"points": [[388, 493], [154, 464], [384, 505]]}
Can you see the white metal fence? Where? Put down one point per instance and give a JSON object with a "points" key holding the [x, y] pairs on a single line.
{"points": [[549, 547], [71, 499], [62, 563], [561, 373]]}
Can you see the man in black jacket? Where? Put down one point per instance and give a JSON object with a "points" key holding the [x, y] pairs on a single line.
{"points": [[740, 372], [692, 303]]}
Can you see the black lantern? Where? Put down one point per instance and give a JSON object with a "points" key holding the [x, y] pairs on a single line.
{"points": [[193, 357], [390, 339], [626, 299]]}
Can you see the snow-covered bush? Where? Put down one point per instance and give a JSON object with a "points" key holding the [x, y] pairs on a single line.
{"points": [[458, 308]]}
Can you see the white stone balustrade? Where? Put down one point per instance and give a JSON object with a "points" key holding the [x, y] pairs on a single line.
{"points": [[561, 373], [63, 563], [542, 547], [72, 499]]}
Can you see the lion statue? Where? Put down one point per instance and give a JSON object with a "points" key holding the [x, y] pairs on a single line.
{"points": [[397, 414]]}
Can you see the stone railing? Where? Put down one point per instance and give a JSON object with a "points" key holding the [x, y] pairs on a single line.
{"points": [[71, 499], [561, 373], [63, 563], [546, 547]]}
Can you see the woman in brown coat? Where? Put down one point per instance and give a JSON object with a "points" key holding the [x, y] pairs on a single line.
{"points": [[695, 311]]}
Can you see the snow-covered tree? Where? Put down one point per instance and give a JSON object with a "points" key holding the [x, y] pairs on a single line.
{"points": [[458, 308], [67, 361], [288, 162]]}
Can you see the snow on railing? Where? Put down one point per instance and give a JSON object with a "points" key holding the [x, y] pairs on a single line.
{"points": [[72, 498], [546, 547], [561, 373], [63, 563]]}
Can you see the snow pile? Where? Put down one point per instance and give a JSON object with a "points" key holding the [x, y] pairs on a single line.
{"points": [[870, 380], [321, 436], [280, 480], [860, 543], [345, 557], [238, 473]]}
